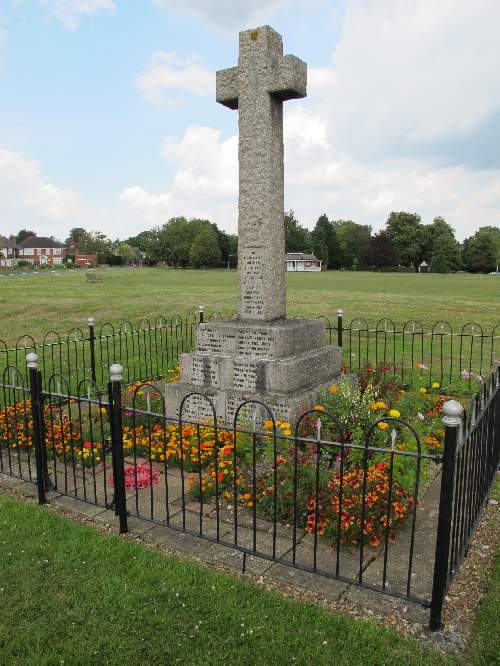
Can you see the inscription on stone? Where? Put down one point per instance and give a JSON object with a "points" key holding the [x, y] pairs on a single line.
{"points": [[252, 301], [254, 343], [205, 371], [210, 340], [248, 376], [244, 415], [198, 407]]}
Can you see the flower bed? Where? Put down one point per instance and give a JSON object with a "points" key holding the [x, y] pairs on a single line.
{"points": [[359, 483]]}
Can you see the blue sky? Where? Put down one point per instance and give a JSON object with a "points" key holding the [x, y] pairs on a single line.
{"points": [[108, 117]]}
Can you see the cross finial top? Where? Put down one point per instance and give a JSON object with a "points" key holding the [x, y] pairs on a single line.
{"points": [[261, 61]]}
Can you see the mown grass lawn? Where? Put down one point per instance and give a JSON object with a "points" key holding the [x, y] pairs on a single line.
{"points": [[38, 304], [69, 594]]}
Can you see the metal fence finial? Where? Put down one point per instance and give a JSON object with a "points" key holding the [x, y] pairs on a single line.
{"points": [[340, 312], [91, 321], [116, 372], [32, 360], [453, 411]]}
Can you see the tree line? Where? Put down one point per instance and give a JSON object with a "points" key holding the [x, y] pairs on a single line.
{"points": [[402, 245]]}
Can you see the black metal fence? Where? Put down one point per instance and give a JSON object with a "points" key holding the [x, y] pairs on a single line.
{"points": [[302, 497], [408, 353]]}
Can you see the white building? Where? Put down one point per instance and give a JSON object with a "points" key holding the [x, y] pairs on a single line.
{"points": [[298, 261]]}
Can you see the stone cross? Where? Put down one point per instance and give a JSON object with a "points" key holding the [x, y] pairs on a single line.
{"points": [[263, 80]]}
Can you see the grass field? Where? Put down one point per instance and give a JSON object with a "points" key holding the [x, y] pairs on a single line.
{"points": [[37, 304], [71, 595]]}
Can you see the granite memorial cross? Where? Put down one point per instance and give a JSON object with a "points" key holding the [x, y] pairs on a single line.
{"points": [[260, 84], [280, 362]]}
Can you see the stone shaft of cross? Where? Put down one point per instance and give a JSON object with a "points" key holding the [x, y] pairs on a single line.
{"points": [[263, 80]]}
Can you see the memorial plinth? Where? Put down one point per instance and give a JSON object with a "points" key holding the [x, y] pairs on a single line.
{"points": [[282, 364], [261, 355]]}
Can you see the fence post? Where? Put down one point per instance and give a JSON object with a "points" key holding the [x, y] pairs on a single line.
{"points": [[36, 417], [91, 325], [115, 414], [452, 420], [201, 309], [340, 326]]}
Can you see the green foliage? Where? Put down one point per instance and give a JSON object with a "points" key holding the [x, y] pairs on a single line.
{"points": [[24, 233], [91, 242], [205, 249], [405, 230], [439, 262], [481, 252], [353, 241], [126, 252], [297, 237], [325, 243], [320, 237]]}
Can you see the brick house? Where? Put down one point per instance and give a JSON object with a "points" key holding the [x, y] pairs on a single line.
{"points": [[74, 257], [8, 253], [41, 251]]}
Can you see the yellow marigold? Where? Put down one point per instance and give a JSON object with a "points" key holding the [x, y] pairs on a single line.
{"points": [[382, 425], [319, 408], [436, 385], [381, 405], [422, 390], [394, 413], [334, 389], [374, 406]]}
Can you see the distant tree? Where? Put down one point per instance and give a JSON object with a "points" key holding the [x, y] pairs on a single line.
{"points": [[353, 241], [23, 234], [381, 252], [480, 252], [439, 262], [126, 252], [297, 237], [91, 242], [205, 249], [441, 241], [232, 247], [320, 238], [494, 234], [176, 238], [149, 243], [406, 231]]}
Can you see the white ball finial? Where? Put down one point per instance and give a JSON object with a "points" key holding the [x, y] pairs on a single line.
{"points": [[32, 360], [201, 308], [116, 372], [453, 411], [91, 321], [340, 312]]}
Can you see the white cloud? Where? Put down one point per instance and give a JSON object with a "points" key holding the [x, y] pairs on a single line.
{"points": [[168, 73], [409, 73], [25, 196], [319, 178], [69, 12], [226, 14], [205, 184]]}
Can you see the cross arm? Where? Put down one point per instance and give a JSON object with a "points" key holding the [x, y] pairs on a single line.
{"points": [[227, 87], [290, 79]]}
